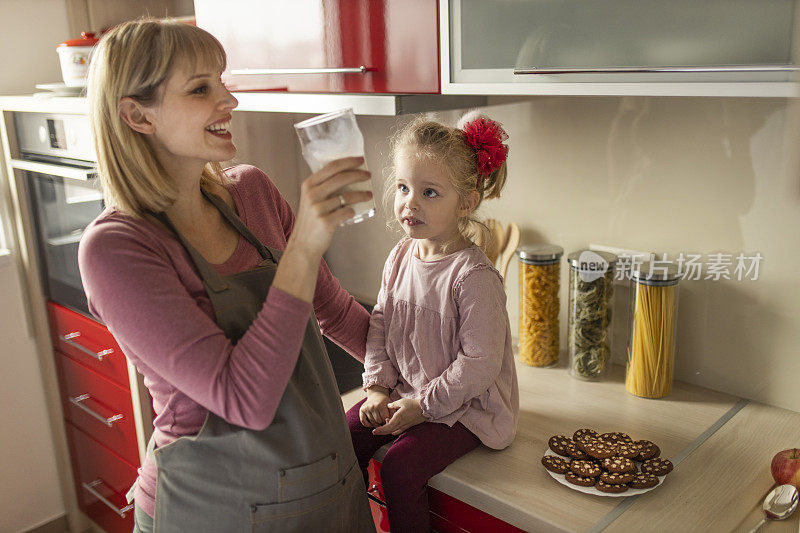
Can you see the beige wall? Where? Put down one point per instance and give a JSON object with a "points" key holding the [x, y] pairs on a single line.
{"points": [[693, 175], [30, 489]]}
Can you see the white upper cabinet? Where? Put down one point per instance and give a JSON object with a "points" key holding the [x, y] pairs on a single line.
{"points": [[620, 47]]}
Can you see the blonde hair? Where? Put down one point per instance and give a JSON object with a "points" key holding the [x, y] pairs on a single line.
{"points": [[134, 60], [445, 144]]}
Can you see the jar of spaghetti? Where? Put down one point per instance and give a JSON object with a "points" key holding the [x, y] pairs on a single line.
{"points": [[539, 276], [654, 314], [591, 293]]}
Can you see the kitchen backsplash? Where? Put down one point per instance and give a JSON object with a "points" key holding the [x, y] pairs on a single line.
{"points": [[692, 176]]}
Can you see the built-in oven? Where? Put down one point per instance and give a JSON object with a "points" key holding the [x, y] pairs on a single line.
{"points": [[57, 159]]}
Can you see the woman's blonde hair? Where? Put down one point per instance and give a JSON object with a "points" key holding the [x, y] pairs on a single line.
{"points": [[134, 60], [448, 145]]}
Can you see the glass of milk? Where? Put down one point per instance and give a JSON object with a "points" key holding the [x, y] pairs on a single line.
{"points": [[331, 136]]}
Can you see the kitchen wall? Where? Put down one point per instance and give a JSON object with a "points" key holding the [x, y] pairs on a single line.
{"points": [[30, 489], [691, 175]]}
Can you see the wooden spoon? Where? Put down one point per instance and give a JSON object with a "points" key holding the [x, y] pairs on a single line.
{"points": [[511, 241], [493, 244]]}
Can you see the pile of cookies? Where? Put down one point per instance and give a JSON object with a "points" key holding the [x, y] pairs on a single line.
{"points": [[610, 462]]}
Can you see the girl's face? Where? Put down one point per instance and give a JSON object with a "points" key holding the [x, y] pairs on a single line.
{"points": [[425, 202], [192, 121]]}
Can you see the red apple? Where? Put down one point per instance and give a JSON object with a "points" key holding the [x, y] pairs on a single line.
{"points": [[786, 467]]}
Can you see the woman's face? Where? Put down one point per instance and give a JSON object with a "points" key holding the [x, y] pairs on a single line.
{"points": [[192, 119]]}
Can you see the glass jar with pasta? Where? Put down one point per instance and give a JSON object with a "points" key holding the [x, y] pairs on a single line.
{"points": [[654, 314], [591, 294], [539, 277]]}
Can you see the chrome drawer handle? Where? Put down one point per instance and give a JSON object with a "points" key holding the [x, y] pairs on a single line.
{"points": [[90, 487], [78, 401], [344, 70], [98, 355], [374, 497], [637, 70]]}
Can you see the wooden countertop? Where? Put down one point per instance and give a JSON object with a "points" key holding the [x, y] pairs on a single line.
{"points": [[721, 445]]}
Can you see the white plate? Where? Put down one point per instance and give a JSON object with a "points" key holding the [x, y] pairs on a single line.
{"points": [[591, 490], [61, 89]]}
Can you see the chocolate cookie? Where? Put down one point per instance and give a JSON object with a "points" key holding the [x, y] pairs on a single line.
{"points": [[616, 436], [576, 452], [602, 486], [630, 450], [584, 434], [618, 464], [560, 444], [616, 478], [649, 450], [556, 464], [600, 449], [658, 466], [579, 480], [585, 468], [643, 480]]}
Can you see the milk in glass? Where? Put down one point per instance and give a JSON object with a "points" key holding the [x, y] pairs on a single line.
{"points": [[332, 136]]}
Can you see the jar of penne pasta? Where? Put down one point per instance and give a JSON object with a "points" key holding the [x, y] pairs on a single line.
{"points": [[654, 313], [538, 318], [591, 293]]}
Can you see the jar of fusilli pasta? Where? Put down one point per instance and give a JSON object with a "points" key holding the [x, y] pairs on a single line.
{"points": [[591, 293], [654, 320], [539, 276]]}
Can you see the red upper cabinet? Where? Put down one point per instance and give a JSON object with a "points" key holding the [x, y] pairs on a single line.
{"points": [[327, 46]]}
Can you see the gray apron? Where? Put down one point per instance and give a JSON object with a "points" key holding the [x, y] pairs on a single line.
{"points": [[298, 474]]}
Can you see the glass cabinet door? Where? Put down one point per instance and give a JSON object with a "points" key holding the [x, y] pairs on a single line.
{"points": [[513, 41]]}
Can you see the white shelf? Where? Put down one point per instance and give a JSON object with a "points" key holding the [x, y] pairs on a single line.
{"points": [[362, 104]]}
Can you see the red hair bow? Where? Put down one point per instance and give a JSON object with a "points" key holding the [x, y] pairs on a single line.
{"points": [[486, 137]]}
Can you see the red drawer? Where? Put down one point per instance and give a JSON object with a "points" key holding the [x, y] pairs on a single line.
{"points": [[102, 479], [89, 343], [99, 407], [448, 515]]}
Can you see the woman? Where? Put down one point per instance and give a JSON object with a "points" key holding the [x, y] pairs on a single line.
{"points": [[210, 285]]}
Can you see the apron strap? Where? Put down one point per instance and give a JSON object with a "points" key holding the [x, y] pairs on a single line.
{"points": [[240, 226], [207, 272]]}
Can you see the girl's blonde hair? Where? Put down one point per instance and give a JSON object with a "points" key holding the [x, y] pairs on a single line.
{"points": [[448, 145], [134, 60]]}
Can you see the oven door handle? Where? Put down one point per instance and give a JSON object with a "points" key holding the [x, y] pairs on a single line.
{"points": [[83, 174]]}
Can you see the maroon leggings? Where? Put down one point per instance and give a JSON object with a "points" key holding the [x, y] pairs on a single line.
{"points": [[416, 455]]}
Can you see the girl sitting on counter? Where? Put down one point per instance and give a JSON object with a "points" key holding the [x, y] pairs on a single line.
{"points": [[439, 371]]}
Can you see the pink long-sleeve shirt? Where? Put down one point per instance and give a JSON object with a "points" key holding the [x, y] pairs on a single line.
{"points": [[440, 333], [142, 284]]}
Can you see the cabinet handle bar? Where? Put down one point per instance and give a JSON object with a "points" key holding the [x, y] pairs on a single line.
{"points": [[91, 488], [78, 401], [633, 70], [344, 70], [97, 355]]}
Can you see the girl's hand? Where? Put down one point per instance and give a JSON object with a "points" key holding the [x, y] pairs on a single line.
{"points": [[323, 206], [375, 411], [407, 413]]}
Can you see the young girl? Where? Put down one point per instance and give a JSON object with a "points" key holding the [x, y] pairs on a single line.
{"points": [[212, 288], [439, 371]]}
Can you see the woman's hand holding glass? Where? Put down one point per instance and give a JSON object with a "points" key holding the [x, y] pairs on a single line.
{"points": [[324, 206]]}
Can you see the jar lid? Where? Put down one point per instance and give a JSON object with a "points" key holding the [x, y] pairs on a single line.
{"points": [[655, 273], [87, 39], [591, 260], [540, 254]]}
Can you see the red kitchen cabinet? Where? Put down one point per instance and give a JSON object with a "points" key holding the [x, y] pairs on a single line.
{"points": [[102, 478], [98, 407], [448, 515], [88, 342], [329, 46]]}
